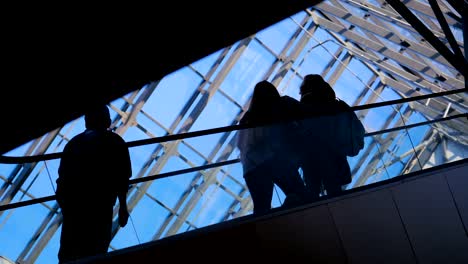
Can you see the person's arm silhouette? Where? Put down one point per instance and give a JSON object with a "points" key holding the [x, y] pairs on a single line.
{"points": [[126, 171], [123, 211]]}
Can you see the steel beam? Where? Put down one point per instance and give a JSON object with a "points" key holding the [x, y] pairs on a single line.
{"points": [[375, 29], [399, 86], [459, 63], [378, 157], [420, 158], [35, 245], [416, 66], [27, 169], [198, 109], [445, 27]]}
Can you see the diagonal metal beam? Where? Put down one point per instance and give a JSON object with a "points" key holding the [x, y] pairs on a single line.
{"points": [[428, 11], [445, 27], [456, 4], [37, 240], [362, 41], [400, 158], [170, 149], [362, 178], [293, 55], [436, 108], [28, 168], [422, 156], [193, 116], [387, 33], [458, 62]]}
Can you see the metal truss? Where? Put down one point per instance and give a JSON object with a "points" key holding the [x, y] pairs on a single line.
{"points": [[401, 56]]}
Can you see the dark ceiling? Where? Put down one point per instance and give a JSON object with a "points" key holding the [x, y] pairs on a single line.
{"points": [[58, 60]]}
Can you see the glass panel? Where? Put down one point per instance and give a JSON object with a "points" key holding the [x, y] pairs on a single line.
{"points": [[457, 33], [43, 179], [455, 151], [219, 112], [191, 154], [352, 81], [19, 151], [169, 190], [315, 58], [290, 85], [18, 227], [251, 67], [234, 180], [149, 126], [49, 253], [73, 128], [210, 201], [171, 94], [277, 35], [303, 30], [139, 155], [227, 147], [388, 44], [370, 92], [376, 118], [360, 162], [446, 69], [57, 145], [214, 206], [118, 103], [5, 171], [204, 65], [145, 218]]}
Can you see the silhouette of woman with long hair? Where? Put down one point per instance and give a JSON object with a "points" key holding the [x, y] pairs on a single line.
{"points": [[265, 154]]}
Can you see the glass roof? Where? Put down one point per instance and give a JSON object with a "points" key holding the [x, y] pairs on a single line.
{"points": [[364, 49]]}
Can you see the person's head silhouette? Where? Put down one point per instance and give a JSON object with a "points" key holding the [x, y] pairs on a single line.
{"points": [[265, 98], [265, 95], [317, 89], [98, 118]]}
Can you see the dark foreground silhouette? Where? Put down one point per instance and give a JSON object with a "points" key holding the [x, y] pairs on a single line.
{"points": [[329, 136], [94, 171], [267, 156]]}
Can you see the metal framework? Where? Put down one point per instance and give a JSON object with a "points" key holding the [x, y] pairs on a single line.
{"points": [[405, 50]]}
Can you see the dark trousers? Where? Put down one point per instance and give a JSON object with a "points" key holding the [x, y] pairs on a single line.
{"points": [[317, 175], [261, 180], [85, 232]]}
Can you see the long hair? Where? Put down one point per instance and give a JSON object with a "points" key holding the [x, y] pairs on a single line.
{"points": [[264, 100]]}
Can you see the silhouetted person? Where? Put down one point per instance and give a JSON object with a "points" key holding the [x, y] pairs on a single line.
{"points": [[265, 154], [94, 171], [334, 132]]}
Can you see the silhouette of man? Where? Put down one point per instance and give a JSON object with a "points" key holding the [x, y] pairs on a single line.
{"points": [[333, 133], [265, 154], [94, 172]]}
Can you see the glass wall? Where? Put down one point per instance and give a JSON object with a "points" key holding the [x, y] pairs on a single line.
{"points": [[356, 49]]}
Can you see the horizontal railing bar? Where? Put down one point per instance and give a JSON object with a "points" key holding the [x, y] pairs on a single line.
{"points": [[217, 164], [50, 156], [133, 181], [383, 131]]}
